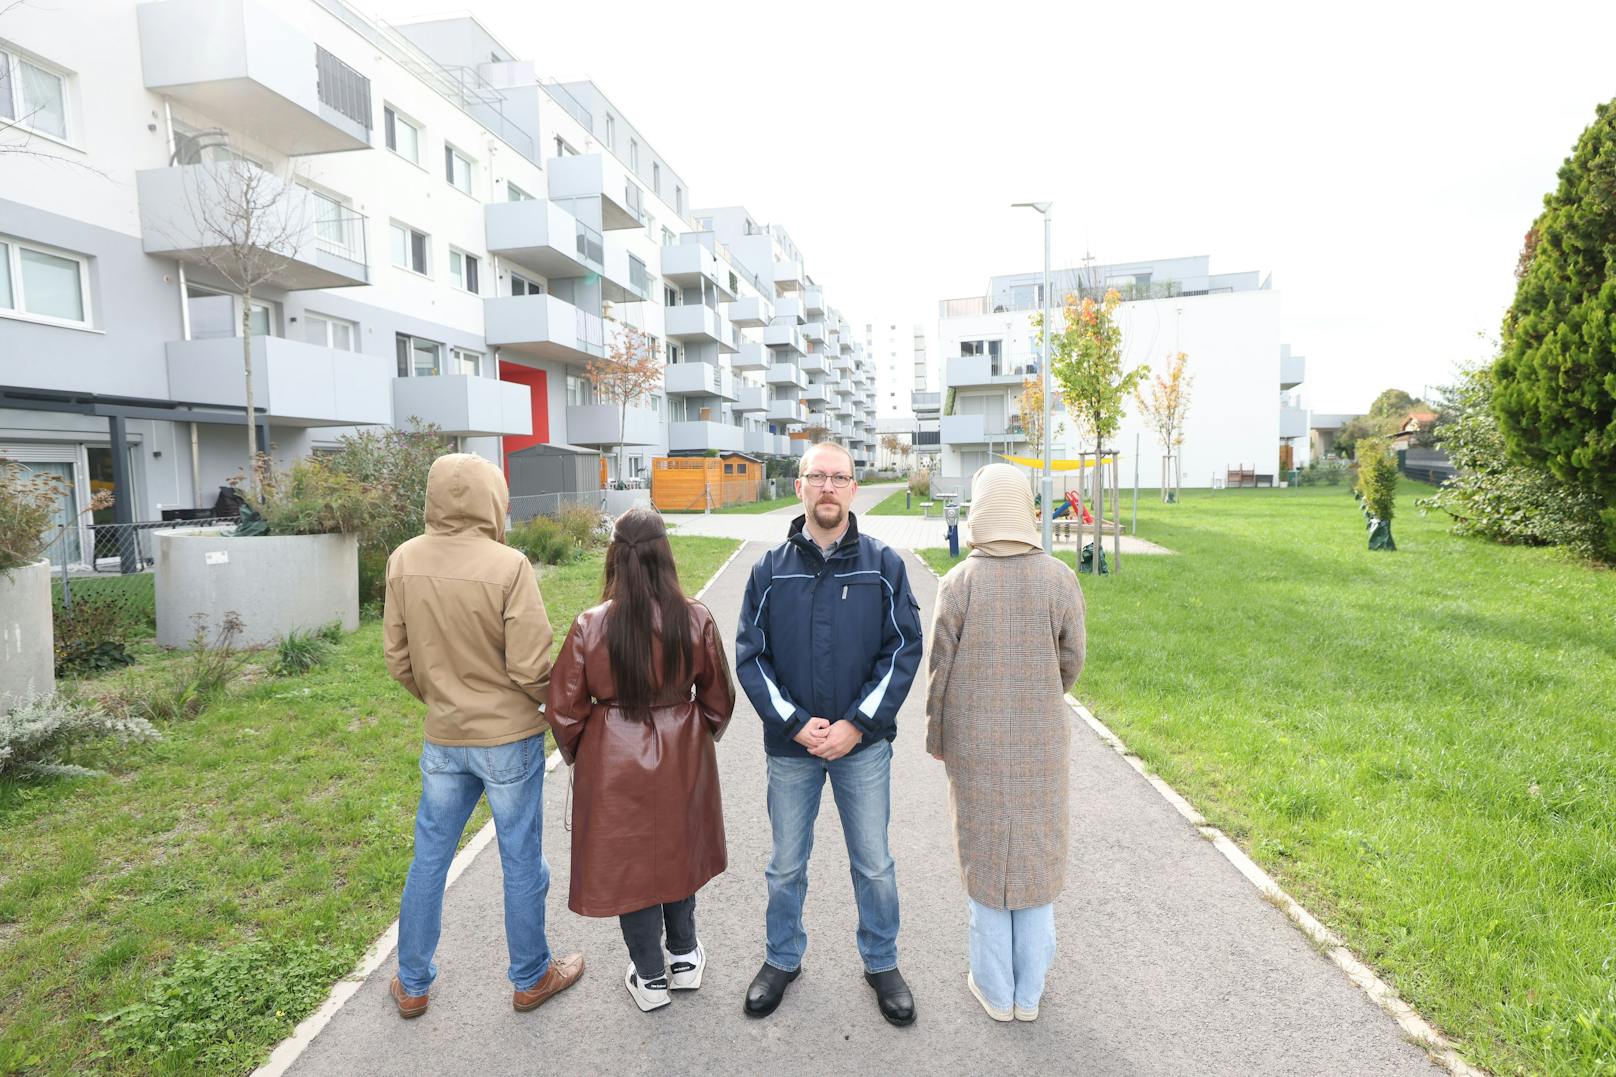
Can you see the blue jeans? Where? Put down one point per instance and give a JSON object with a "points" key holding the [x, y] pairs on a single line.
{"points": [[452, 779], [862, 786], [1011, 952]]}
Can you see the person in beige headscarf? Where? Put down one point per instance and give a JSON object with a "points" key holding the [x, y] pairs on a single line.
{"points": [[1009, 606]]}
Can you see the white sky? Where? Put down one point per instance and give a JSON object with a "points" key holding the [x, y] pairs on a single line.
{"points": [[1381, 160]]}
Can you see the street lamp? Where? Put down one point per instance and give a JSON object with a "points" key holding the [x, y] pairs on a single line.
{"points": [[1043, 373]]}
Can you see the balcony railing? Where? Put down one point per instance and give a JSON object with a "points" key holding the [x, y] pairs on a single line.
{"points": [[341, 88], [1129, 292], [637, 276], [342, 233], [591, 247]]}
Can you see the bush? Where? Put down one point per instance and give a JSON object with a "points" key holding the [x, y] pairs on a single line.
{"points": [[585, 526], [1496, 498], [189, 685], [314, 498], [28, 503], [559, 541], [1326, 472], [1377, 477], [299, 652], [38, 736], [93, 634], [920, 483], [215, 1009]]}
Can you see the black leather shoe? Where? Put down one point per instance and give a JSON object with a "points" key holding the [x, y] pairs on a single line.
{"points": [[768, 988], [897, 1004]]}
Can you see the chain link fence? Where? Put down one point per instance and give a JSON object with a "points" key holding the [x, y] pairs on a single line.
{"points": [[85, 557], [613, 503]]}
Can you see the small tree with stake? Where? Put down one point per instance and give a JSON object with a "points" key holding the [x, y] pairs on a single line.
{"points": [[1377, 489], [631, 373], [1164, 409]]}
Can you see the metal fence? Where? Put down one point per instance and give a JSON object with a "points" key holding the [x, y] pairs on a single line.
{"points": [[611, 502], [99, 555]]}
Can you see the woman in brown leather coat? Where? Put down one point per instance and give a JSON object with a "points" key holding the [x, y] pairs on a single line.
{"points": [[639, 695]]}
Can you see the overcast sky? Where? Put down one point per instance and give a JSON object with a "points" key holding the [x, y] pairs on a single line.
{"points": [[1381, 162]]}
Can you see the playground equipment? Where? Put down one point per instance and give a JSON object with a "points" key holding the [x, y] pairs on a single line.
{"points": [[1072, 514]]}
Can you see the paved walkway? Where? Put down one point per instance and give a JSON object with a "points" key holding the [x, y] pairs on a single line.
{"points": [[1169, 961]]}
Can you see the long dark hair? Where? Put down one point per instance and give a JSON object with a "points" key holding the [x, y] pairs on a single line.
{"points": [[641, 578]]}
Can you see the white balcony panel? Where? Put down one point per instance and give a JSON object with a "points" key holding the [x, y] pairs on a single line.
{"points": [[543, 327], [294, 384], [599, 424], [461, 405], [703, 436]]}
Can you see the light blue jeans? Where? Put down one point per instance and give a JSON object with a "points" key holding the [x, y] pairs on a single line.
{"points": [[862, 786], [452, 781], [1011, 951]]}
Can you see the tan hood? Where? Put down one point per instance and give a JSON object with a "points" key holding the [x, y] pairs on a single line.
{"points": [[465, 494]]}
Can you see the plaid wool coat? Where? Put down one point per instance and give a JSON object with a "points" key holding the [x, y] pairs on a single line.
{"points": [[1007, 642]]}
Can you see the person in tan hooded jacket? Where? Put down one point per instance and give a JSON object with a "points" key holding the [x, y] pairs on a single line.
{"points": [[466, 633]]}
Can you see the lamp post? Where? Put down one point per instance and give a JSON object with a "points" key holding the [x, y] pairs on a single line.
{"points": [[1048, 490]]}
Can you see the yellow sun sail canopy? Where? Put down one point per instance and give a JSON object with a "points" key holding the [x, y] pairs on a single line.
{"points": [[1054, 465]]}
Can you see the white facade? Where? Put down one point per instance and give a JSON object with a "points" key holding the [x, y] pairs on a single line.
{"points": [[462, 239], [1228, 325]]}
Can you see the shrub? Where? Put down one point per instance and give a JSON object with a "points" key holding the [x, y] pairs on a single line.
{"points": [[585, 526], [1377, 477], [920, 483], [546, 539], [28, 504], [216, 1010], [314, 498], [189, 685], [92, 634], [38, 736], [1326, 472], [331, 632], [299, 652]]}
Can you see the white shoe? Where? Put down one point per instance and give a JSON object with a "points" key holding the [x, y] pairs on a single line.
{"points": [[684, 973], [1027, 1015], [648, 994], [996, 1014]]}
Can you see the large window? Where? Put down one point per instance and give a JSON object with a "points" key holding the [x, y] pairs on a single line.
{"points": [[42, 284], [457, 169], [513, 193], [520, 285], [463, 271], [418, 358], [403, 136], [467, 361], [330, 332], [33, 95], [409, 248]]}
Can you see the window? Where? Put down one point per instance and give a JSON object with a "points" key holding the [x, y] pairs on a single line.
{"points": [[563, 149], [330, 332], [656, 179], [670, 296], [33, 96], [42, 283], [520, 285], [729, 469], [679, 200], [650, 228], [513, 193], [668, 238], [418, 358], [634, 156], [577, 391], [409, 248], [403, 137], [457, 169], [611, 132], [676, 354], [463, 271], [469, 362], [260, 321]]}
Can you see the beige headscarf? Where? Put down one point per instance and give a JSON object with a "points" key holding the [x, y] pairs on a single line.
{"points": [[1001, 520]]}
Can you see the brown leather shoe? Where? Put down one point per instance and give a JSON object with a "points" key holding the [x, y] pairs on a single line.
{"points": [[562, 974], [408, 1005]]}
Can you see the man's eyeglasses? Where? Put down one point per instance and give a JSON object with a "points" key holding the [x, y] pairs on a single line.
{"points": [[819, 478]]}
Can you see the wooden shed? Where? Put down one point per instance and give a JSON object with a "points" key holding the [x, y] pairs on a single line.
{"points": [[697, 483]]}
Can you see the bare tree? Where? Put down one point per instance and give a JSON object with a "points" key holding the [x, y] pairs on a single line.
{"points": [[632, 372], [246, 224], [22, 121]]}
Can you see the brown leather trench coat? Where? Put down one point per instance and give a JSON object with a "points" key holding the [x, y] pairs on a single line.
{"points": [[647, 819]]}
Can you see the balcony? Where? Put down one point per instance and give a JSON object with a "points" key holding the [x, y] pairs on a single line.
{"points": [[689, 264], [598, 175], [763, 443], [788, 271], [789, 307], [239, 65], [542, 236], [698, 379], [752, 312], [749, 399], [975, 430], [705, 436], [814, 331], [461, 405], [814, 363], [186, 213], [785, 374], [785, 337], [294, 384], [600, 424], [625, 279], [1292, 369], [965, 371], [1292, 421], [787, 411], [693, 321], [752, 356], [543, 327], [813, 301], [817, 392]]}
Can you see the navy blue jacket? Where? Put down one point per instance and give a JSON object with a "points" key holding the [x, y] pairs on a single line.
{"points": [[829, 638]]}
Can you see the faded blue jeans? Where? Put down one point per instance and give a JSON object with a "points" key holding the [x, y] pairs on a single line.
{"points": [[1011, 952], [862, 786], [452, 781]]}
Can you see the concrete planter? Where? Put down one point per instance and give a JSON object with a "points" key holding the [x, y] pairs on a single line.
{"points": [[275, 584], [27, 644]]}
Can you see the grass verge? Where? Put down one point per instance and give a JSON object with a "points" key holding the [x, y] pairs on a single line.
{"points": [[219, 881], [1417, 744]]}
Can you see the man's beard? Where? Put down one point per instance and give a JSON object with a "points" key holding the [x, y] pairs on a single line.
{"points": [[838, 514]]}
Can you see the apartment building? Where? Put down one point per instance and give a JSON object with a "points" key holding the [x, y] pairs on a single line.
{"points": [[454, 239], [1243, 411]]}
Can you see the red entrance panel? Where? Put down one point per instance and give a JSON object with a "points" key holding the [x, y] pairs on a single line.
{"points": [[538, 401]]}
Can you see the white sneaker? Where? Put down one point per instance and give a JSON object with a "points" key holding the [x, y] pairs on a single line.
{"points": [[992, 1011], [684, 970], [1027, 1014], [648, 994]]}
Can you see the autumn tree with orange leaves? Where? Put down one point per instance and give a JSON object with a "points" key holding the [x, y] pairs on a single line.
{"points": [[1164, 409], [631, 373]]}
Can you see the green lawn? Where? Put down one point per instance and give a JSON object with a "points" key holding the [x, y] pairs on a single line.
{"points": [[892, 505], [263, 845], [1417, 744]]}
